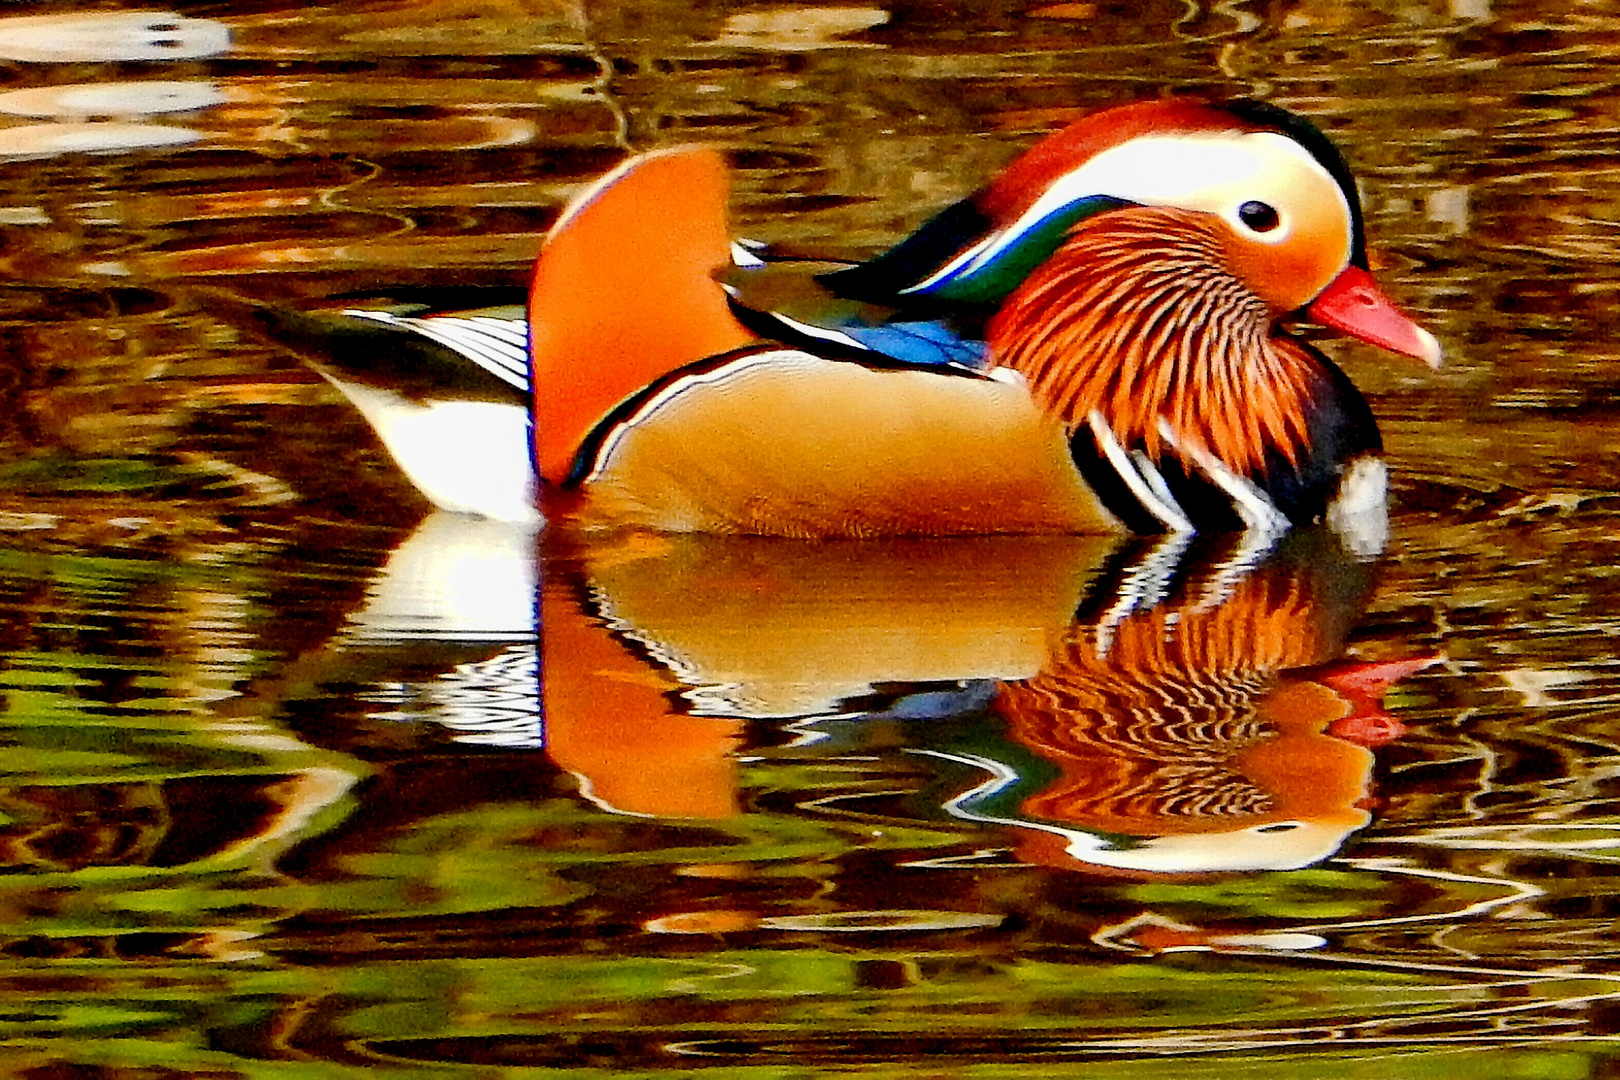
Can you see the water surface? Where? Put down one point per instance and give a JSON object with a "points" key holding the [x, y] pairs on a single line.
{"points": [[279, 799]]}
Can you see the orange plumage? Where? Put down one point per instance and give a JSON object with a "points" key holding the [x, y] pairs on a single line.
{"points": [[625, 292], [1136, 317]]}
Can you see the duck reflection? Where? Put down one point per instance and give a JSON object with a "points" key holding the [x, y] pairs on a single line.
{"points": [[1201, 735], [447, 631], [1137, 711], [751, 628], [1143, 712]]}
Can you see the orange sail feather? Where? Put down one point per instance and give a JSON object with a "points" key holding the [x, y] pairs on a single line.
{"points": [[624, 292]]}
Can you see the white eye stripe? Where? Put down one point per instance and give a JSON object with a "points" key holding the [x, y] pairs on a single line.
{"points": [[1214, 172]]}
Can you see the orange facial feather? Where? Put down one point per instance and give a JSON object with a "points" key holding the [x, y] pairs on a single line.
{"points": [[1138, 316]]}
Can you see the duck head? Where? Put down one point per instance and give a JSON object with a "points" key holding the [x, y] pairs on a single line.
{"points": [[1134, 268]]}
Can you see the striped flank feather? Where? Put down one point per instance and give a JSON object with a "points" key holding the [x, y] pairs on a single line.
{"points": [[497, 344]]}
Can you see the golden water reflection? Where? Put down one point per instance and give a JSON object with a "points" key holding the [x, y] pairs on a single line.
{"points": [[1161, 712]]}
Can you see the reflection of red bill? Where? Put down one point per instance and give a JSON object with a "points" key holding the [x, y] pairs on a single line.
{"points": [[1354, 304], [1370, 680], [1364, 685], [1371, 730]]}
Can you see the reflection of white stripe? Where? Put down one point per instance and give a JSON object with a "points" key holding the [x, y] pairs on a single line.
{"points": [[498, 346], [1003, 776], [675, 389], [1252, 550], [1143, 588]]}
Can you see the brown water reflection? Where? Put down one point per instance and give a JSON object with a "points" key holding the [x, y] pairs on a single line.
{"points": [[259, 814]]}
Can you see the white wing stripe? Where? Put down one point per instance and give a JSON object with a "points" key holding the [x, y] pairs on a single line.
{"points": [[492, 353], [1170, 514], [1252, 504], [836, 336], [651, 407], [515, 331]]}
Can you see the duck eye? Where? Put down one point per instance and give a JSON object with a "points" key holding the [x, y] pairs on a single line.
{"points": [[1259, 216]]}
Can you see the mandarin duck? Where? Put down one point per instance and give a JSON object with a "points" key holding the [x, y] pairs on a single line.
{"points": [[1089, 343]]}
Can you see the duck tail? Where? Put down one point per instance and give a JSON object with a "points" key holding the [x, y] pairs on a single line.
{"points": [[624, 292]]}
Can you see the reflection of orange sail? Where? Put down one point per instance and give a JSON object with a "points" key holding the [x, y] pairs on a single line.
{"points": [[610, 720]]}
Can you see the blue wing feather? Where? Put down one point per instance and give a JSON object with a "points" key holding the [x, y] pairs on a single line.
{"points": [[924, 343], [787, 301]]}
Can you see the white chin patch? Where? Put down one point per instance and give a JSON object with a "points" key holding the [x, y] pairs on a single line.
{"points": [[1360, 511]]}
